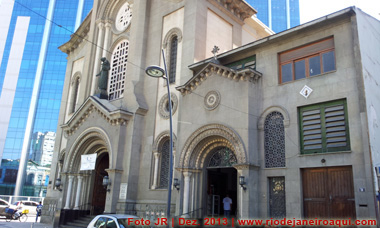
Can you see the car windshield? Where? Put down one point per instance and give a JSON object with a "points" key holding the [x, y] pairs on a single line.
{"points": [[123, 223]]}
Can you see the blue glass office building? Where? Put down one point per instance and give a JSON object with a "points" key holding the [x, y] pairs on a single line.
{"points": [[278, 15], [32, 71]]}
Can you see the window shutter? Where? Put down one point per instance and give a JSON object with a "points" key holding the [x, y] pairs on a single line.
{"points": [[312, 129], [335, 127], [324, 128]]}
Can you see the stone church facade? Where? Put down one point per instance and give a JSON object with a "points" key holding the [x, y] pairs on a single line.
{"points": [[294, 113]]}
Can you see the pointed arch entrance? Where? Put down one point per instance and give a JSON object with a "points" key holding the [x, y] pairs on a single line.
{"points": [[208, 163]]}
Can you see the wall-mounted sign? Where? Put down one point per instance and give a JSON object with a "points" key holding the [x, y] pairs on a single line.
{"points": [[306, 91], [88, 161], [123, 191]]}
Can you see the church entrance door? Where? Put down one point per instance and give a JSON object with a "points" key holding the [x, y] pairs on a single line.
{"points": [[99, 192], [221, 180]]}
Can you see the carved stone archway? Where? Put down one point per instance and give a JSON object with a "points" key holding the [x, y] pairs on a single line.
{"points": [[90, 141], [203, 140], [196, 154]]}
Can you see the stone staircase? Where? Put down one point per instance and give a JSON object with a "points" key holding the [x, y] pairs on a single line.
{"points": [[79, 223]]}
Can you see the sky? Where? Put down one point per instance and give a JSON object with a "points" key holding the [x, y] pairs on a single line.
{"points": [[313, 9]]}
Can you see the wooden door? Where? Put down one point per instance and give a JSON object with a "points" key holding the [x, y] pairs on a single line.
{"points": [[99, 192], [328, 193]]}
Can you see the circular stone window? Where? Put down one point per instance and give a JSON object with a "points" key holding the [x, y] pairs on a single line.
{"points": [[164, 105], [212, 100], [123, 17]]}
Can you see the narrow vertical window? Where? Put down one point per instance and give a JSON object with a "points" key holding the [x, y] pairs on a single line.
{"points": [[118, 71], [274, 140], [173, 59], [164, 171], [74, 95]]}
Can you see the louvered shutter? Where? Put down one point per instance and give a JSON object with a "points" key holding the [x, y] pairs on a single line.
{"points": [[324, 128]]}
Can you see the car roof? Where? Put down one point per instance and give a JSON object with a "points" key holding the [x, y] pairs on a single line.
{"points": [[118, 216], [4, 201]]}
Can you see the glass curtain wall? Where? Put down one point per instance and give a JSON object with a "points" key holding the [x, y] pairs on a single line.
{"points": [[44, 124]]}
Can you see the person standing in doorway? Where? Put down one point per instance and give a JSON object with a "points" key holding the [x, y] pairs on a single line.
{"points": [[38, 209], [227, 202]]}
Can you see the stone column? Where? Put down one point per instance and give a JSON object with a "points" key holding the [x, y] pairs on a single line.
{"points": [[99, 44], [68, 193], [113, 195], [156, 165], [79, 191], [86, 190], [106, 39], [186, 193]]}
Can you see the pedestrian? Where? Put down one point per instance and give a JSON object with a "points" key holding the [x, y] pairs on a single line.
{"points": [[38, 209], [18, 209], [227, 201]]}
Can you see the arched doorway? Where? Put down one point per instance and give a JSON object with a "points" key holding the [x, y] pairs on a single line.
{"points": [[99, 192], [211, 160], [221, 181]]}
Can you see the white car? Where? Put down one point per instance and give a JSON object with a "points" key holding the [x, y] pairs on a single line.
{"points": [[4, 204], [30, 205], [112, 221]]}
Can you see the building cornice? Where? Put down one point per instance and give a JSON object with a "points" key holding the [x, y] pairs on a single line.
{"points": [[93, 104], [239, 9], [246, 75], [77, 37]]}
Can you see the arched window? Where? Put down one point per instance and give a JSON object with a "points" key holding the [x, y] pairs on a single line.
{"points": [[164, 168], [74, 94], [118, 70], [274, 140], [173, 58]]}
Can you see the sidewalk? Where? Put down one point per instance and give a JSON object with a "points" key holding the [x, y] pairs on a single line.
{"points": [[30, 223]]}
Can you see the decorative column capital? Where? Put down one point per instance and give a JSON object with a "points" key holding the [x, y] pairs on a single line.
{"points": [[187, 174], [192, 170], [109, 171], [156, 155], [100, 25], [107, 25]]}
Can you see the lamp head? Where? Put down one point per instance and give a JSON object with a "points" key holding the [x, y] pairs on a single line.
{"points": [[58, 184], [242, 182], [106, 183], [176, 183], [155, 71]]}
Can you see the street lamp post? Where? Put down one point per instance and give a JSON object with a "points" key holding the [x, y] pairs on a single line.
{"points": [[158, 72]]}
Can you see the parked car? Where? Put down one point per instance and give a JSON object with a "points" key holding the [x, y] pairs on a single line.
{"points": [[3, 204], [112, 221], [30, 205]]}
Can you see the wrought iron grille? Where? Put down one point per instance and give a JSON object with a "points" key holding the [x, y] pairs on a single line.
{"points": [[222, 157], [274, 140], [277, 203], [118, 71], [164, 174]]}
